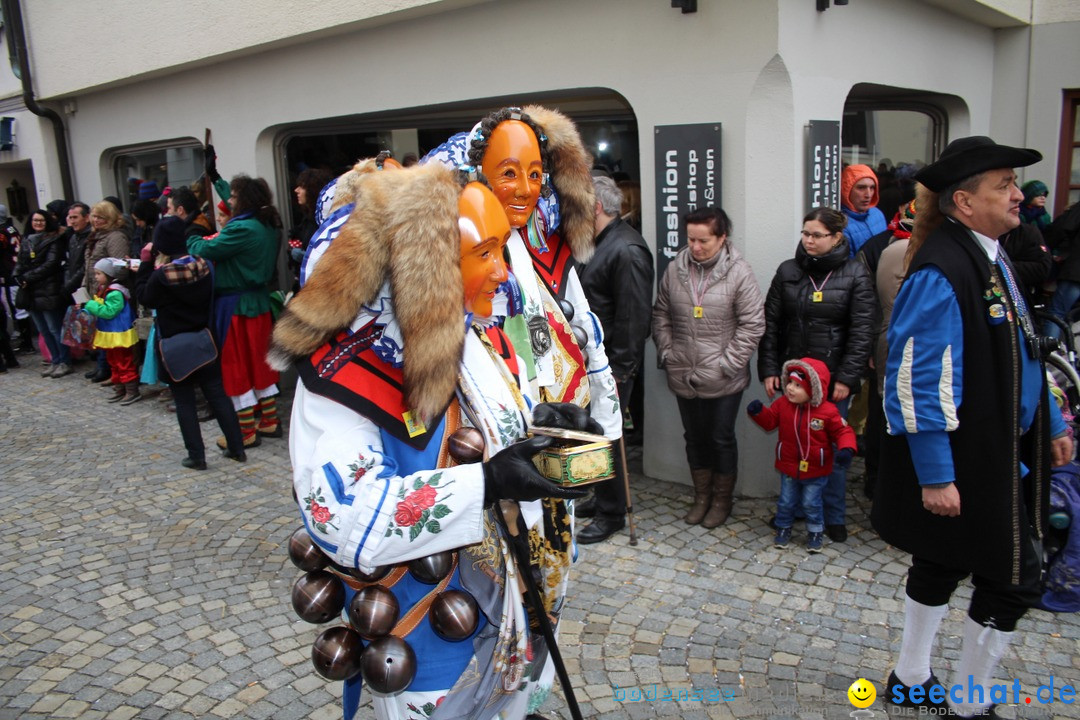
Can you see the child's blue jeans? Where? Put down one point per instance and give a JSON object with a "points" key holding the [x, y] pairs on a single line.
{"points": [[802, 495]]}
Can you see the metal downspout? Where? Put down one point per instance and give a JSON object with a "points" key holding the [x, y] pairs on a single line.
{"points": [[16, 35]]}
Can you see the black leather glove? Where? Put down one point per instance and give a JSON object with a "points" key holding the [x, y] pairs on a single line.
{"points": [[567, 416], [843, 458], [211, 163], [511, 475], [754, 407]]}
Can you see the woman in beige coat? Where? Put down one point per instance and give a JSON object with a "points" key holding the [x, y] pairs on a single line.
{"points": [[707, 320], [107, 240]]}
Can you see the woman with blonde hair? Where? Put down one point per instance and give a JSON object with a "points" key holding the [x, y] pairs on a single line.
{"points": [[107, 239]]}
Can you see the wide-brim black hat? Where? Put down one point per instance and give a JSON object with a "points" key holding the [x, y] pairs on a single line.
{"points": [[969, 156]]}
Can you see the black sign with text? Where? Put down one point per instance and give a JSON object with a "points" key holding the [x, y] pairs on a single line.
{"points": [[687, 177], [823, 164]]}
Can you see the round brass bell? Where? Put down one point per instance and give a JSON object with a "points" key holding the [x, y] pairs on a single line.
{"points": [[580, 337], [304, 553], [318, 596], [388, 665], [432, 568], [466, 445], [337, 653], [373, 611], [567, 309], [454, 615]]}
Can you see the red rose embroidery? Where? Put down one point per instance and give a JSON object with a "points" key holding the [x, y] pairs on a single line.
{"points": [[319, 513], [423, 498], [407, 514]]}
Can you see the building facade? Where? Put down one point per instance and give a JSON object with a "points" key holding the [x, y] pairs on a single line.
{"points": [[136, 86]]}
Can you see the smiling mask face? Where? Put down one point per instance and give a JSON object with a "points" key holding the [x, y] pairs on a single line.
{"points": [[484, 232], [513, 166]]}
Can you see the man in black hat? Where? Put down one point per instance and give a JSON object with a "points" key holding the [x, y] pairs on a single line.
{"points": [[965, 470]]}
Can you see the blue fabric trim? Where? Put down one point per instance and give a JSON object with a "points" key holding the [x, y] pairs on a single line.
{"points": [[336, 484], [598, 370], [598, 331], [367, 532]]}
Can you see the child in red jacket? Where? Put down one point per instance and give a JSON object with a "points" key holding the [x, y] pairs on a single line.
{"points": [[809, 427]]}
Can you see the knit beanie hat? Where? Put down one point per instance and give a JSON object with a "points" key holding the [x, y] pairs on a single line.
{"points": [[1033, 189], [148, 190], [799, 375], [224, 209], [110, 266], [169, 236]]}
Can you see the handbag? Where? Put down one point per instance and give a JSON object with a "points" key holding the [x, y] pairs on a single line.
{"points": [[186, 352], [77, 330]]}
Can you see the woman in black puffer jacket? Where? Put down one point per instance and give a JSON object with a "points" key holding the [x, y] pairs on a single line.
{"points": [[40, 275], [821, 304]]}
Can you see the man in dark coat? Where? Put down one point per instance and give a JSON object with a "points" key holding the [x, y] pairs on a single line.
{"points": [[964, 477], [618, 283]]}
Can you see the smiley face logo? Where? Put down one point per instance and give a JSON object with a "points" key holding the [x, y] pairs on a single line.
{"points": [[862, 693]]}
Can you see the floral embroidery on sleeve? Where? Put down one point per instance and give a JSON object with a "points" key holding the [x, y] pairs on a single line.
{"points": [[417, 511], [359, 468], [320, 513]]}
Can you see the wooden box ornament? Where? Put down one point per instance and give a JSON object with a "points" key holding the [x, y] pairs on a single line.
{"points": [[575, 458]]}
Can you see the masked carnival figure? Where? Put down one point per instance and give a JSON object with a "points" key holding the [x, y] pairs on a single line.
{"points": [[539, 170], [408, 429]]}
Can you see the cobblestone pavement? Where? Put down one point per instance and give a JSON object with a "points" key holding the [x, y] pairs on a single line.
{"points": [[134, 588]]}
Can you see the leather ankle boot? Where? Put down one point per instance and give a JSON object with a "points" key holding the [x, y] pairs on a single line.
{"points": [[723, 487], [702, 478]]}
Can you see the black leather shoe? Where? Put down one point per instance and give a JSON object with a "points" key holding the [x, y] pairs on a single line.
{"points": [[194, 464], [238, 457], [90, 373], [586, 508], [895, 689], [836, 533], [100, 376], [599, 530]]}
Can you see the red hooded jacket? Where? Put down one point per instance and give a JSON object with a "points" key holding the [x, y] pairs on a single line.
{"points": [[808, 431]]}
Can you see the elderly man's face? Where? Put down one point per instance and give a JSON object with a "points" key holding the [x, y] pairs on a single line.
{"points": [[77, 220], [993, 209]]}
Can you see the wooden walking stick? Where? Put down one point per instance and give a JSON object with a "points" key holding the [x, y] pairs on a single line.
{"points": [[509, 514], [626, 484]]}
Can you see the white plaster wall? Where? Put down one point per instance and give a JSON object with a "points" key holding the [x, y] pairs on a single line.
{"points": [[90, 43], [1055, 63], [1051, 11]]}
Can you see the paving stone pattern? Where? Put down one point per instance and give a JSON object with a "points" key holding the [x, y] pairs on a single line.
{"points": [[134, 588]]}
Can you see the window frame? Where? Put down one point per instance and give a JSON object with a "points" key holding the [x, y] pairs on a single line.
{"points": [[1068, 145]]}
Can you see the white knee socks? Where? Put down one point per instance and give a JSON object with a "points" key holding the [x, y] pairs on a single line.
{"points": [[921, 623], [980, 654]]}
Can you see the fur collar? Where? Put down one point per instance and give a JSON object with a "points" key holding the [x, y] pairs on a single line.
{"points": [[572, 179], [403, 230]]}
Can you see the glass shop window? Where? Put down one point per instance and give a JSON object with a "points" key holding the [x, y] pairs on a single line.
{"points": [[174, 164]]}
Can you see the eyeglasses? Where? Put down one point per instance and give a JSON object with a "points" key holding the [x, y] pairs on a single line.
{"points": [[816, 236]]}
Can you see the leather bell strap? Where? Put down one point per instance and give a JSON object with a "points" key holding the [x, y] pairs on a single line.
{"points": [[420, 610], [412, 618]]}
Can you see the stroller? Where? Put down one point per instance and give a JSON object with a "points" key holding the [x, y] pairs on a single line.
{"points": [[1061, 547]]}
